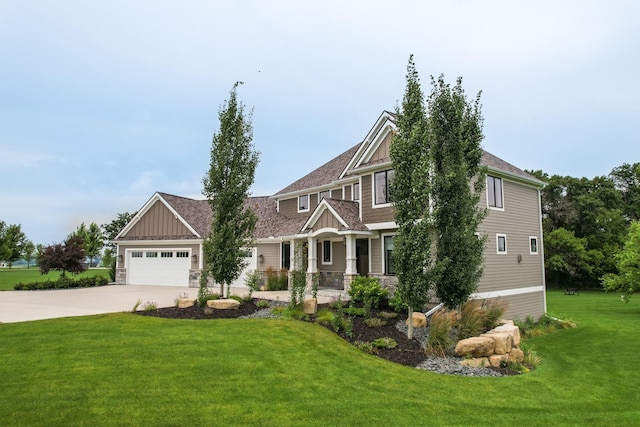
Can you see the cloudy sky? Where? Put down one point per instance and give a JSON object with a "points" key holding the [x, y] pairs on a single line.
{"points": [[102, 103]]}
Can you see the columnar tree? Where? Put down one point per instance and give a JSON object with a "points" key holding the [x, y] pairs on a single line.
{"points": [[455, 134], [410, 191], [226, 186]]}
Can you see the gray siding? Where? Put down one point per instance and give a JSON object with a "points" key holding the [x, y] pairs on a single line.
{"points": [[521, 306], [338, 255], [271, 256], [326, 220]]}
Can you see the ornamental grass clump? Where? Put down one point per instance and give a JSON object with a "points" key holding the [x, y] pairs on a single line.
{"points": [[472, 320], [439, 333]]}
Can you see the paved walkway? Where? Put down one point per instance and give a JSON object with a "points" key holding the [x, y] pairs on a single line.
{"points": [[22, 306]]}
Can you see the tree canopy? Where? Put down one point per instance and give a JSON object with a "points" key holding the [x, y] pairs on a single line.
{"points": [[627, 279], [64, 257], [226, 187], [12, 241]]}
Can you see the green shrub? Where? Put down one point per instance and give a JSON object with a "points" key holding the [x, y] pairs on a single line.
{"points": [[355, 311], [385, 343], [368, 291], [388, 315], [397, 304], [375, 322], [277, 280], [149, 306], [283, 279], [252, 281], [63, 283], [366, 347], [547, 324], [324, 315], [262, 303]]}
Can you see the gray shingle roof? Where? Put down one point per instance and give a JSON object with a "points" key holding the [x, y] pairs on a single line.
{"points": [[349, 212]]}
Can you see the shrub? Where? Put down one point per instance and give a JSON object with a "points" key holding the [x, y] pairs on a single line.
{"points": [[547, 324], [388, 315], [531, 358], [439, 333], [283, 279], [375, 322], [277, 280], [237, 298], [366, 347], [355, 311], [384, 343], [63, 283], [397, 303], [368, 291], [252, 281], [324, 315], [298, 285], [149, 306], [262, 303]]}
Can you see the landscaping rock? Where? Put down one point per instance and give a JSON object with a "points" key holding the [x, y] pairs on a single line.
{"points": [[496, 360], [504, 342], [419, 320], [310, 306], [512, 330], [475, 347], [185, 302], [516, 355], [223, 304], [478, 362]]}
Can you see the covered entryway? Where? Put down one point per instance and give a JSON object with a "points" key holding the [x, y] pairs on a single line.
{"points": [[165, 267]]}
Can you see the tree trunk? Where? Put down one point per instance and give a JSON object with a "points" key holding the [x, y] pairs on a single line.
{"points": [[410, 324]]}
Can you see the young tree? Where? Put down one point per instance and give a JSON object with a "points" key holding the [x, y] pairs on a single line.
{"points": [[627, 280], [28, 251], [93, 239], [12, 240], [410, 191], [111, 230], [455, 134], [226, 186], [64, 257]]}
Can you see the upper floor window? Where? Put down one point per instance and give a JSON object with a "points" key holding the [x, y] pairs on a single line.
{"points": [[324, 195], [355, 191], [494, 192], [382, 184], [303, 203], [501, 243]]}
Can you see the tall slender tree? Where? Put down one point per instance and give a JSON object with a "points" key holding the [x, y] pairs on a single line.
{"points": [[410, 192], [455, 132], [226, 186]]}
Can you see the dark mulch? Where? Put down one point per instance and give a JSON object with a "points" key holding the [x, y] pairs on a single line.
{"points": [[408, 352]]}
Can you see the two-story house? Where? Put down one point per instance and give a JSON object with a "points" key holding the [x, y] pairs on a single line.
{"points": [[340, 219]]}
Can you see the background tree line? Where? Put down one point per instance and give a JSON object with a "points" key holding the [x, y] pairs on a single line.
{"points": [[586, 222]]}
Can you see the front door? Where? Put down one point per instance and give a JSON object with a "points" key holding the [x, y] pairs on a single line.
{"points": [[362, 257]]}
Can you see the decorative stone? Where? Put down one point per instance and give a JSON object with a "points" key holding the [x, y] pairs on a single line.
{"points": [[496, 360], [223, 304], [310, 306], [512, 330], [516, 355], [475, 347], [185, 302], [479, 362], [504, 342], [419, 320]]}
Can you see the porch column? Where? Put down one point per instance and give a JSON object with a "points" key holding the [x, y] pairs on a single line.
{"points": [[351, 270], [312, 265], [292, 255]]}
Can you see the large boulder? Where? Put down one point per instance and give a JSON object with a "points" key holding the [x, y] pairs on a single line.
{"points": [[512, 330], [419, 320], [504, 342], [475, 347], [310, 306], [496, 360], [478, 362], [516, 355], [223, 304], [185, 302]]}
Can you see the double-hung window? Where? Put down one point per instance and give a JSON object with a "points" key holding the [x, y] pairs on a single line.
{"points": [[303, 203], [494, 192], [382, 184], [355, 192], [389, 269]]}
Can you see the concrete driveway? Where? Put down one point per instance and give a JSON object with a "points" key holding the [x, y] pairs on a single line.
{"points": [[23, 306]]}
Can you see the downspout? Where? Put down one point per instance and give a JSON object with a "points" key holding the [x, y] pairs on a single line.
{"points": [[541, 250]]}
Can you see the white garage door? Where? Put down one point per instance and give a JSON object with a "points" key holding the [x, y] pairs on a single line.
{"points": [[158, 267], [252, 264]]}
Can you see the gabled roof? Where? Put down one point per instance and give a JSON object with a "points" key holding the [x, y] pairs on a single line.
{"points": [[346, 212]]}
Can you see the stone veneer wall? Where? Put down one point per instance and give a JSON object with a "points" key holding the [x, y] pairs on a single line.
{"points": [[121, 276]]}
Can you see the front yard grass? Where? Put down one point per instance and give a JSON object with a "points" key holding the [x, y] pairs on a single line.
{"points": [[123, 369], [11, 276]]}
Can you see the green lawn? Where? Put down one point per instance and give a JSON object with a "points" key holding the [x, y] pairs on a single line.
{"points": [[11, 276], [122, 369]]}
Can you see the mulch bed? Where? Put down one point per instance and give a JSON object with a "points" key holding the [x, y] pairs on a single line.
{"points": [[408, 352]]}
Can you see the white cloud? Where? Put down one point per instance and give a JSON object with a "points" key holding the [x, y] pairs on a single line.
{"points": [[145, 182]]}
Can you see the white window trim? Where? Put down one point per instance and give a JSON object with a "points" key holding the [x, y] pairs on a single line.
{"points": [[537, 245], [330, 253], [494, 208], [308, 203], [319, 199], [384, 258], [506, 246], [373, 192], [353, 192]]}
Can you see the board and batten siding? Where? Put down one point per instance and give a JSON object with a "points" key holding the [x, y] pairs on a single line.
{"points": [[326, 220], [158, 221]]}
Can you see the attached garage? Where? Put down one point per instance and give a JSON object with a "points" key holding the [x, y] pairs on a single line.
{"points": [[160, 267]]}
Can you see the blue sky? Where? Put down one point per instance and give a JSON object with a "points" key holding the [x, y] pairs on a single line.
{"points": [[104, 103]]}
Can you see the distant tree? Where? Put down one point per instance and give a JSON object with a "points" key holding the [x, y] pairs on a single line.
{"points": [[111, 230], [410, 152], [64, 257], [567, 259], [226, 186], [627, 181], [627, 279], [94, 241], [28, 252], [12, 241], [455, 132]]}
